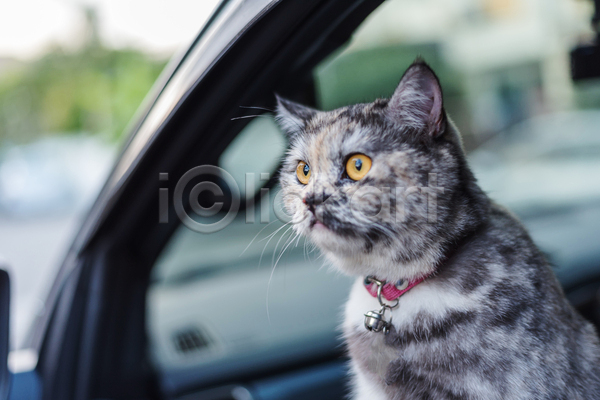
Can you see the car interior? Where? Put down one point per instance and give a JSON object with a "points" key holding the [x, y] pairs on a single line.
{"points": [[251, 311]]}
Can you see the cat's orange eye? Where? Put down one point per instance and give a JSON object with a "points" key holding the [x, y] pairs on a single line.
{"points": [[303, 172], [357, 166]]}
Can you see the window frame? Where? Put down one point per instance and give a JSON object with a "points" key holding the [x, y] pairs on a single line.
{"points": [[91, 339]]}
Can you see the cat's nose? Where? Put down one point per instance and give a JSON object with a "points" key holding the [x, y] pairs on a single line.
{"points": [[314, 199]]}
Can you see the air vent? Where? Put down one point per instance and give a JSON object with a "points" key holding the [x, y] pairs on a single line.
{"points": [[190, 340]]}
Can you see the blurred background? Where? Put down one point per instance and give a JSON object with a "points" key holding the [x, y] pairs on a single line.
{"points": [[73, 73]]}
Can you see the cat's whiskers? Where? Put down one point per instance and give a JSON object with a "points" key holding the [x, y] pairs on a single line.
{"points": [[250, 116], [279, 241], [325, 261], [273, 269], [286, 244], [298, 236], [255, 236], [311, 248], [270, 237], [258, 108], [274, 233]]}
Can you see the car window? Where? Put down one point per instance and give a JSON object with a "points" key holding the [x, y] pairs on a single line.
{"points": [[240, 291], [531, 137], [257, 150]]}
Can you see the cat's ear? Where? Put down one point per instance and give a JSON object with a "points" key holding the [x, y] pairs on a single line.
{"points": [[417, 101], [292, 117]]}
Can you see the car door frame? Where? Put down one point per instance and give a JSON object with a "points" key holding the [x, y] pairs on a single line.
{"points": [[91, 338]]}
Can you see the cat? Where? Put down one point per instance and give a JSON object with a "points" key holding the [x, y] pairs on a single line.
{"points": [[384, 191]]}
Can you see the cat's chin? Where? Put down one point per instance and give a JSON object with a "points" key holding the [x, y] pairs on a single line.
{"points": [[327, 240], [361, 265], [350, 258]]}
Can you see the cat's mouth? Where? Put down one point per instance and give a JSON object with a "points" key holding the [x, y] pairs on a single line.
{"points": [[317, 224]]}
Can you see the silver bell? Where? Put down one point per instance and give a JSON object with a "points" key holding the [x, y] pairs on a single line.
{"points": [[375, 322]]}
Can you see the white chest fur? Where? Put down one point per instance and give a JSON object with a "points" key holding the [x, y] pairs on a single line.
{"points": [[369, 373]]}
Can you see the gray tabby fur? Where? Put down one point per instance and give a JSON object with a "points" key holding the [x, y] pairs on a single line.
{"points": [[492, 321]]}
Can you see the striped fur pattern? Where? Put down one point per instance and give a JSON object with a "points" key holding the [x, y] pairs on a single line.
{"points": [[492, 321]]}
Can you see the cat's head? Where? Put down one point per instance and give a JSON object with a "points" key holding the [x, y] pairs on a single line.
{"points": [[377, 187]]}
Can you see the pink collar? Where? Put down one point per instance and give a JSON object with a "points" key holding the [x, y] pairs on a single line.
{"points": [[392, 291]]}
